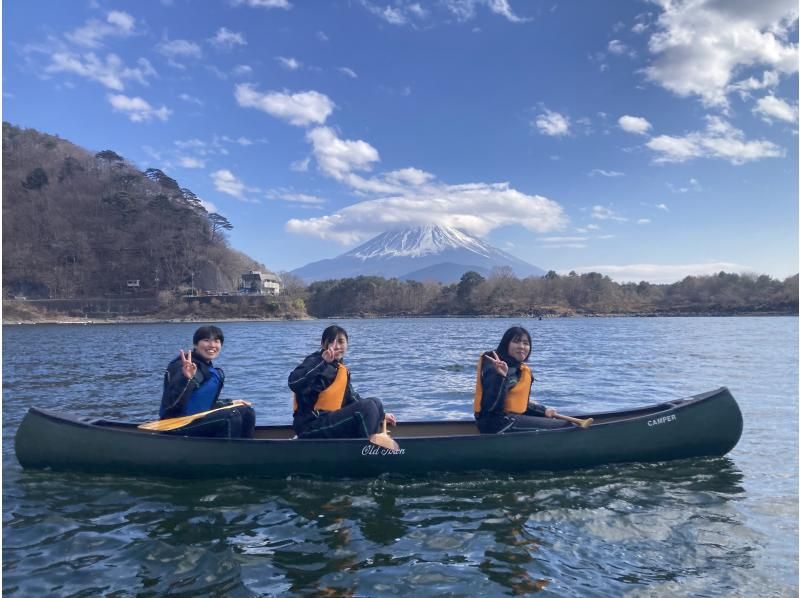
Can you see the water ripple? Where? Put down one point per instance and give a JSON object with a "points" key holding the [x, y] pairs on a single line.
{"points": [[706, 527]]}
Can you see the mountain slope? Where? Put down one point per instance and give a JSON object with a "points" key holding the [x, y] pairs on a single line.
{"points": [[422, 253], [82, 224]]}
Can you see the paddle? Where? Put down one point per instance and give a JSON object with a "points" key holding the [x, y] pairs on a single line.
{"points": [[163, 425], [383, 439], [583, 423]]}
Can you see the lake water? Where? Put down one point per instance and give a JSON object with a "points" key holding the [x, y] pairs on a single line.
{"points": [[700, 527]]}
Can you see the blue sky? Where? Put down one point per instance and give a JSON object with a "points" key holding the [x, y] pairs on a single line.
{"points": [[645, 140]]}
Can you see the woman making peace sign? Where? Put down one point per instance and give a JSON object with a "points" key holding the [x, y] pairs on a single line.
{"points": [[192, 385], [503, 388]]}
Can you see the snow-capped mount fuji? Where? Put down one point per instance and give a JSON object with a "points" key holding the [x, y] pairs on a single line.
{"points": [[431, 252]]}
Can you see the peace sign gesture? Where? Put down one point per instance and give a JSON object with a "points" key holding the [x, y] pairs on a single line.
{"points": [[499, 365], [189, 369], [329, 354]]}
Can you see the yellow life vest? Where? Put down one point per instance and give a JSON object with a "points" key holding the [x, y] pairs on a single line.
{"points": [[517, 396], [332, 397]]}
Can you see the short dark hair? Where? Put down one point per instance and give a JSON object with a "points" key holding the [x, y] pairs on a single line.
{"points": [[331, 333], [511, 334], [208, 332]]}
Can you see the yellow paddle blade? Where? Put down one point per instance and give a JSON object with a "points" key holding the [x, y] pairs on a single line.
{"points": [[173, 423]]}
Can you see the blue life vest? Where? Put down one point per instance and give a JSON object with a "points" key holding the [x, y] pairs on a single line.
{"points": [[202, 398]]}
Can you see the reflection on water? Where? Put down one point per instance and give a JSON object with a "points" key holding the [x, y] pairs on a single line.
{"points": [[454, 534], [712, 527]]}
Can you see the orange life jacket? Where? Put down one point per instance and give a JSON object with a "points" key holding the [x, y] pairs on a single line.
{"points": [[332, 397], [517, 396]]}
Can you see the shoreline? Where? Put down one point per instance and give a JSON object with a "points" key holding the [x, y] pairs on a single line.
{"points": [[76, 321]]}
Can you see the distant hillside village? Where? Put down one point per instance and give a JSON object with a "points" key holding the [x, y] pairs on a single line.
{"points": [[88, 235]]}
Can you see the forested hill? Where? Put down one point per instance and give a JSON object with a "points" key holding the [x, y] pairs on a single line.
{"points": [[82, 224]]}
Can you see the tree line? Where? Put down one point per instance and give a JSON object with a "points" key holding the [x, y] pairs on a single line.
{"points": [[502, 294]]}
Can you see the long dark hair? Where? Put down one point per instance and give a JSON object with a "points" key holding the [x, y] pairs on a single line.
{"points": [[331, 333], [513, 333]]}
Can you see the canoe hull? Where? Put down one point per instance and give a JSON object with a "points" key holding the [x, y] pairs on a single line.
{"points": [[704, 425]]}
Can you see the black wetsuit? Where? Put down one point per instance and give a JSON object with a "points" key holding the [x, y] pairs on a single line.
{"points": [[180, 397], [357, 418], [492, 418]]}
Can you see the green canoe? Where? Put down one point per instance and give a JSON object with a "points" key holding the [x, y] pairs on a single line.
{"points": [[708, 424]]}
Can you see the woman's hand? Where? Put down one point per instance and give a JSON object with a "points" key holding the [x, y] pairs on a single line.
{"points": [[390, 419], [500, 366], [328, 355], [550, 412], [189, 369]]}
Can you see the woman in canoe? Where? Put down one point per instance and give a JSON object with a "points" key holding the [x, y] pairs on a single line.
{"points": [[192, 385], [325, 403], [503, 388]]}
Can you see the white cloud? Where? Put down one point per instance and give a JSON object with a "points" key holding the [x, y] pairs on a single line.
{"points": [[475, 208], [390, 14], [719, 140], [117, 24], [643, 221], [301, 109], [226, 182], [179, 48], [562, 239], [294, 197], [121, 20], [349, 72], [694, 185], [191, 144], [409, 176], [112, 72], [617, 47], [552, 123], [465, 10], [769, 79], [300, 165], [210, 207], [285, 4], [190, 162], [291, 64], [769, 108], [699, 45], [137, 109], [191, 99], [660, 273], [606, 173], [662, 206], [339, 157], [502, 8], [242, 70], [240, 141], [227, 39], [604, 213], [634, 124]]}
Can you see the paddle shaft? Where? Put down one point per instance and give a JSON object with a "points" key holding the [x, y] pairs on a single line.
{"points": [[583, 423]]}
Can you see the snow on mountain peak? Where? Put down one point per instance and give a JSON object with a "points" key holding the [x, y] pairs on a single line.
{"points": [[418, 242]]}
